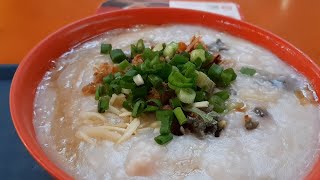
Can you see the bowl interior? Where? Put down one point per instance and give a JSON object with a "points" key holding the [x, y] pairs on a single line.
{"points": [[39, 60]]}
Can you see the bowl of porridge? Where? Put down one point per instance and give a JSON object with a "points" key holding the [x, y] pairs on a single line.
{"points": [[164, 93]]}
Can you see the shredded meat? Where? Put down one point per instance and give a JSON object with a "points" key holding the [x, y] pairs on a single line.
{"points": [[182, 47], [154, 94], [195, 41], [137, 60], [102, 71], [89, 89], [217, 58]]}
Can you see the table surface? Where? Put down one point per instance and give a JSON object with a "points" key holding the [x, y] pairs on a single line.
{"points": [[24, 23]]}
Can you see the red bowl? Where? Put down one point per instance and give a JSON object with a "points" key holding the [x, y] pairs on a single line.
{"points": [[38, 61]]}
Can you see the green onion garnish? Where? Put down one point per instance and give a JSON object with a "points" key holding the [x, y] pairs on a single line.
{"points": [[103, 104], [170, 49], [198, 53], [218, 103], [115, 88], [149, 54], [227, 76], [200, 96], [215, 72], [247, 71], [117, 55], [138, 108], [180, 115], [175, 102], [127, 105], [186, 95], [99, 92], [151, 108], [166, 78], [223, 95], [124, 65], [165, 117], [155, 80], [178, 80], [140, 46], [200, 46], [163, 139], [154, 102], [105, 48], [134, 50], [158, 47], [108, 79], [179, 59]]}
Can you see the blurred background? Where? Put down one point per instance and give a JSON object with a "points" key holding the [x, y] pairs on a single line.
{"points": [[25, 23]]}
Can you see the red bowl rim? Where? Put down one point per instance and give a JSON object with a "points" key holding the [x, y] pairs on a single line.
{"points": [[24, 136]]}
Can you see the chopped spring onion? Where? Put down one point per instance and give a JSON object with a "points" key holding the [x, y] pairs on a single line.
{"points": [[209, 56], [158, 47], [197, 53], [223, 94], [170, 49], [131, 73], [99, 92], [155, 80], [126, 91], [127, 105], [165, 117], [186, 95], [138, 108], [151, 108], [165, 71], [139, 92], [117, 75], [247, 71], [108, 79], [227, 76], [115, 88], [178, 80], [180, 115], [200, 46], [140, 46], [189, 69], [124, 65], [201, 104], [105, 48], [117, 56], [204, 82], [198, 62], [215, 72], [127, 85], [134, 50], [218, 104], [149, 54], [179, 59], [138, 80], [207, 117], [200, 96], [185, 54], [103, 104], [163, 139], [154, 102], [175, 102]]}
